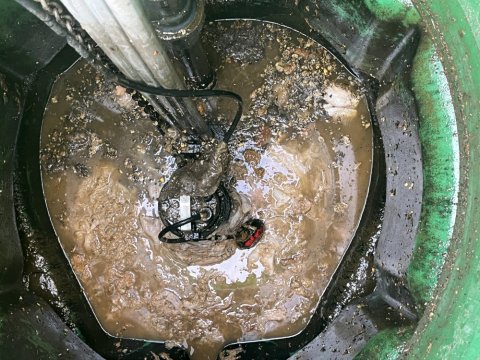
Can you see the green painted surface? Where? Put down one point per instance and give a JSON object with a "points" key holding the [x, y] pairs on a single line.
{"points": [[438, 134], [449, 328], [445, 271], [389, 10], [387, 345], [440, 151]]}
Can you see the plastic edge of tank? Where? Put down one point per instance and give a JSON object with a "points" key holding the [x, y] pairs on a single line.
{"points": [[443, 273]]}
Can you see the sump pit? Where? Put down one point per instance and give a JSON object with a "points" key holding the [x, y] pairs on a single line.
{"points": [[302, 157]]}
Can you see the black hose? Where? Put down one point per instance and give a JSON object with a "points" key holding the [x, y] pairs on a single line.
{"points": [[175, 226], [154, 90]]}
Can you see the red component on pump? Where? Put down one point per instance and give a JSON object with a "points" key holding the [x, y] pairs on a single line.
{"points": [[250, 233]]}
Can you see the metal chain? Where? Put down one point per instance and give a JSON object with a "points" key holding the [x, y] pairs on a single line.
{"points": [[66, 21], [97, 58]]}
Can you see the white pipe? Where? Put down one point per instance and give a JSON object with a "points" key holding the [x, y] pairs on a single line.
{"points": [[124, 33]]}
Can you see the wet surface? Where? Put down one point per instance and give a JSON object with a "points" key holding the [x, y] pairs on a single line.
{"points": [[301, 159]]}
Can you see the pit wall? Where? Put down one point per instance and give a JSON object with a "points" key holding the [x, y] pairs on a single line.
{"points": [[443, 274]]}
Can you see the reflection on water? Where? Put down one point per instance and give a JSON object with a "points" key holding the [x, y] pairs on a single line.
{"points": [[301, 158]]}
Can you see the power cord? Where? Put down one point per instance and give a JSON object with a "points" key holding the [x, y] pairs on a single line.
{"points": [[157, 90], [174, 227]]}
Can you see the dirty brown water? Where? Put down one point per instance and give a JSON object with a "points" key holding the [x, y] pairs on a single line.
{"points": [[301, 157]]}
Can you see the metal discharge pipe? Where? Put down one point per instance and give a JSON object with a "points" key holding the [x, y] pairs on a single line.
{"points": [[178, 23], [125, 34]]}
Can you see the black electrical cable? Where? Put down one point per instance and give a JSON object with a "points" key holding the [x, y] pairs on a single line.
{"points": [[110, 72], [154, 90], [175, 226]]}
